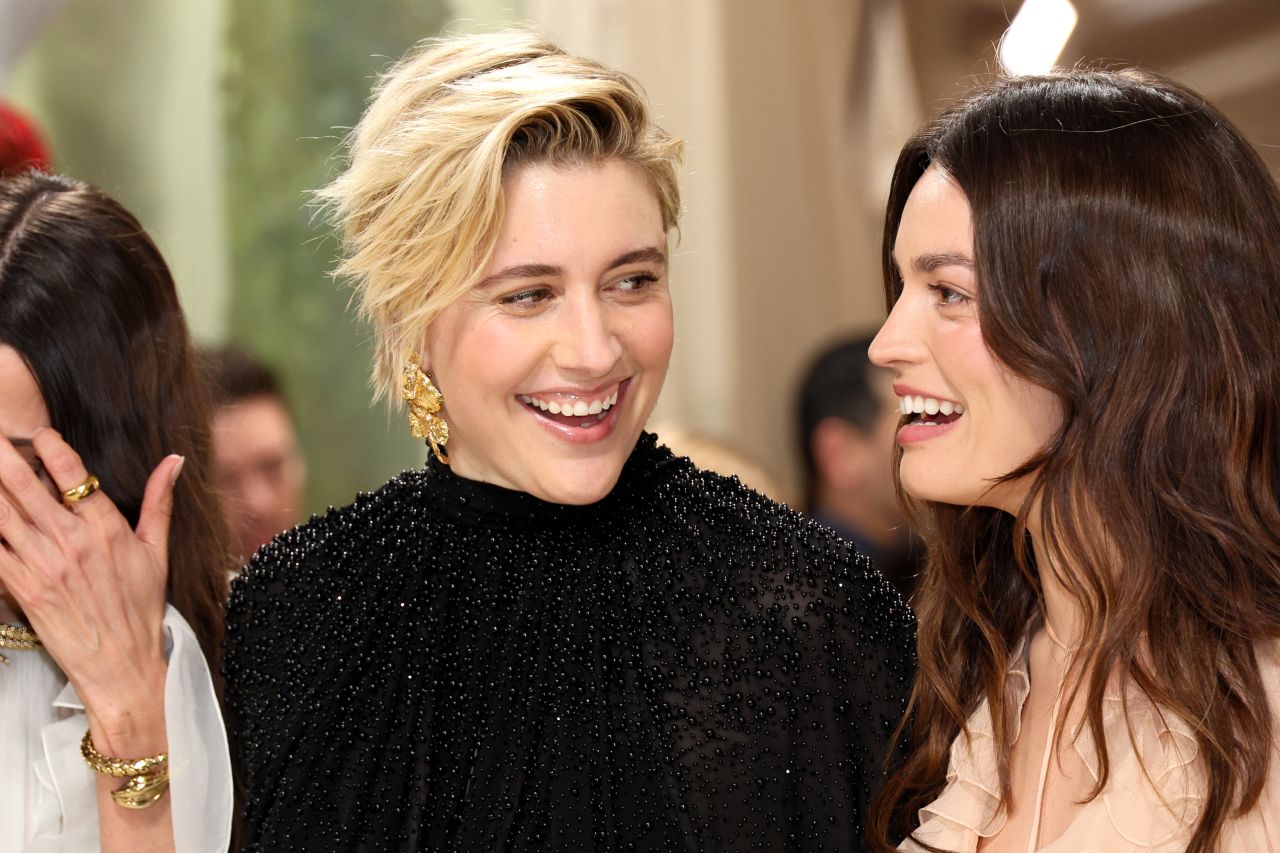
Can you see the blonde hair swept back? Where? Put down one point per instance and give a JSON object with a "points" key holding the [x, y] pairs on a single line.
{"points": [[420, 203]]}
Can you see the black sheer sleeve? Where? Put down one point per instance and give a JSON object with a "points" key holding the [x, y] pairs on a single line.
{"points": [[797, 659]]}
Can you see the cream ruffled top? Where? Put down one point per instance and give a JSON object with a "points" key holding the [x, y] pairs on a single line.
{"points": [[1136, 811]]}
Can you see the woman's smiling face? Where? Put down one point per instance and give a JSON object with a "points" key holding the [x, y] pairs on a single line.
{"points": [[972, 421], [551, 365]]}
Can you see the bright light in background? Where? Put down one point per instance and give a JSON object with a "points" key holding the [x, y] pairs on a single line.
{"points": [[1037, 36]]}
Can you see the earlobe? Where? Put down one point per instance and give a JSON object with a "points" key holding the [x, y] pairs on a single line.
{"points": [[421, 357]]}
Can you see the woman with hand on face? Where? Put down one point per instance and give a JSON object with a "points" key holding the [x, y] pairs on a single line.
{"points": [[1084, 272], [112, 738], [556, 636]]}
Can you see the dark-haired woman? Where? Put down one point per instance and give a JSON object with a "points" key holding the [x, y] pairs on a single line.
{"points": [[114, 560], [1084, 272]]}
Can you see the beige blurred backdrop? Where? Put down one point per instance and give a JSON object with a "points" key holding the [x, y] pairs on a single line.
{"points": [[793, 111]]}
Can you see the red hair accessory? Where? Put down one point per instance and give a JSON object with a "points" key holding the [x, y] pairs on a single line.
{"points": [[21, 145]]}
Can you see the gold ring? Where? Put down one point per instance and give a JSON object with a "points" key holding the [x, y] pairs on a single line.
{"points": [[82, 491]]}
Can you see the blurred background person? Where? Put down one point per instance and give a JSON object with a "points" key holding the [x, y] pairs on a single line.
{"points": [[846, 418], [260, 468]]}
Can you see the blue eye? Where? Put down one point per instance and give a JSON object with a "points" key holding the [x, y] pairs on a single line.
{"points": [[639, 281]]}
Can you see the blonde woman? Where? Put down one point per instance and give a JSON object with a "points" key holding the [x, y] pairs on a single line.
{"points": [[555, 636]]}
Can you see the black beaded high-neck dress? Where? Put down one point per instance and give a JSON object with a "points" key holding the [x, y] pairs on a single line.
{"points": [[448, 665]]}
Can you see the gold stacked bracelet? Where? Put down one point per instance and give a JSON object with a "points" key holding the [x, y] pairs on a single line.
{"points": [[148, 777], [18, 638]]}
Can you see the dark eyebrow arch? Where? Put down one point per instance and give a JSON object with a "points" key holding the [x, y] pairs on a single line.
{"points": [[639, 256], [520, 271], [649, 254], [929, 262]]}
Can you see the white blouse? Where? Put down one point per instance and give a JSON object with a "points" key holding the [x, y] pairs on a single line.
{"points": [[51, 806]]}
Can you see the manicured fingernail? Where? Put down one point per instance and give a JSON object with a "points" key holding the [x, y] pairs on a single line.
{"points": [[177, 469]]}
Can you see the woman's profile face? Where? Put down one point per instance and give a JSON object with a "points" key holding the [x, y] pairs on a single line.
{"points": [[22, 408], [22, 412], [551, 365], [979, 421]]}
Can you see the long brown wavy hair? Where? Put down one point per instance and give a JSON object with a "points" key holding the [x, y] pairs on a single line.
{"points": [[88, 303], [1127, 245]]}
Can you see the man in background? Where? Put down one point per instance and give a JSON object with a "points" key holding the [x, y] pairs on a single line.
{"points": [[847, 415], [260, 466]]}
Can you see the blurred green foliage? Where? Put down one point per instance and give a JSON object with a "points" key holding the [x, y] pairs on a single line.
{"points": [[299, 73]]}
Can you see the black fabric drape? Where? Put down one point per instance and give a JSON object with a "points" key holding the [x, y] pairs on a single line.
{"points": [[449, 665]]}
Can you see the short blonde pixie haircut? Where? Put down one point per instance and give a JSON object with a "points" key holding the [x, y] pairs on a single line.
{"points": [[421, 202]]}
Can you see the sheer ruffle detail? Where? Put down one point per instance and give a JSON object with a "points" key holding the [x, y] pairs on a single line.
{"points": [[1155, 789], [969, 806]]}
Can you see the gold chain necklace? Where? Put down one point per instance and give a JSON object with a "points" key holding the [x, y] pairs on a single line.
{"points": [[19, 638]]}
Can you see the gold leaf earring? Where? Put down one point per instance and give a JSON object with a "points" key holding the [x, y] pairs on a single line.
{"points": [[424, 402]]}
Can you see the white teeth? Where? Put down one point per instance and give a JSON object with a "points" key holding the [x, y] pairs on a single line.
{"points": [[576, 408], [920, 405]]}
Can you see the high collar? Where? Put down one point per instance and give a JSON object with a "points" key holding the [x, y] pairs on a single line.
{"points": [[483, 504]]}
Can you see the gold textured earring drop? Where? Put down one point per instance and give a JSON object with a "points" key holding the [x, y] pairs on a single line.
{"points": [[424, 402]]}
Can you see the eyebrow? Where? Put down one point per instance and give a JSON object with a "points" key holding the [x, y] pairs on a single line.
{"points": [[933, 260], [648, 254]]}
